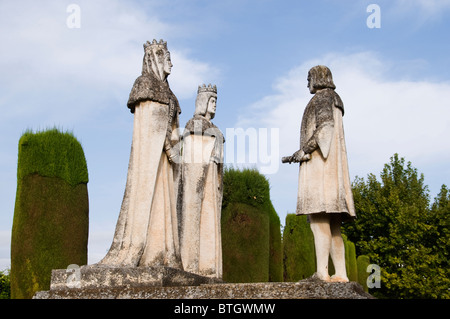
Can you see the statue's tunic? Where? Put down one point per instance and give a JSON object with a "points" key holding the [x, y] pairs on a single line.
{"points": [[324, 180], [147, 229], [201, 198]]}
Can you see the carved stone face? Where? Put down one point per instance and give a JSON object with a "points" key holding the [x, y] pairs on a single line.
{"points": [[211, 109], [319, 77], [167, 64]]}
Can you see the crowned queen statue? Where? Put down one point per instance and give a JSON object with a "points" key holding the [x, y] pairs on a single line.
{"points": [[147, 228], [201, 189]]}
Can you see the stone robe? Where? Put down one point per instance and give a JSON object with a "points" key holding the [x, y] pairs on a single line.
{"points": [[201, 198], [324, 180], [147, 228]]}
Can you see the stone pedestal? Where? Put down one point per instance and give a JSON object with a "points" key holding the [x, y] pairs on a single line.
{"points": [[169, 283], [95, 277]]}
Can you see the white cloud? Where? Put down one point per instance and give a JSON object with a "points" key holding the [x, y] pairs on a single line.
{"points": [[44, 59], [54, 75], [188, 74], [383, 116], [5, 244]]}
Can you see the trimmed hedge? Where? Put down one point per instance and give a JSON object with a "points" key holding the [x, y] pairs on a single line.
{"points": [[251, 235], [245, 186], [275, 247], [363, 262], [298, 248], [51, 214], [350, 259], [52, 153], [245, 244]]}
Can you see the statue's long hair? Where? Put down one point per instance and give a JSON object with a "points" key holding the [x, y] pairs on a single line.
{"points": [[153, 61], [321, 77]]}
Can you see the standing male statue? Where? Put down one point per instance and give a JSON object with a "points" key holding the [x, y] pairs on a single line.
{"points": [[147, 229], [200, 200], [324, 191]]}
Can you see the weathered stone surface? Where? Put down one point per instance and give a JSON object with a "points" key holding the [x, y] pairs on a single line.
{"points": [[324, 188], [304, 289], [147, 228], [200, 194], [92, 277]]}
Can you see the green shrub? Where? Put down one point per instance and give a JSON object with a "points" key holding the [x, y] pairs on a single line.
{"points": [[275, 247], [350, 260], [52, 154], [50, 225], [245, 186], [363, 262], [298, 248], [246, 200], [245, 244]]}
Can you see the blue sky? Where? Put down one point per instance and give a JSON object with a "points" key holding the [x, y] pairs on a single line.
{"points": [[394, 81]]}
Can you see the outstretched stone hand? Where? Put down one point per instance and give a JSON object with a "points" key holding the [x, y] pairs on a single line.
{"points": [[297, 157]]}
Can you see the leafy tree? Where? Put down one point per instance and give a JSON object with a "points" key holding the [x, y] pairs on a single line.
{"points": [[439, 241], [397, 229], [5, 285]]}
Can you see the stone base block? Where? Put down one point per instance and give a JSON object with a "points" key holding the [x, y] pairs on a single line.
{"points": [[94, 277], [174, 284]]}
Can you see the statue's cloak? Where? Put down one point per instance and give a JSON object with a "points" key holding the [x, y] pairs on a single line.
{"points": [[147, 228], [324, 180]]}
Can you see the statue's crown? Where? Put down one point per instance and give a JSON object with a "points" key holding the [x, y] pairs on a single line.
{"points": [[209, 88], [161, 44]]}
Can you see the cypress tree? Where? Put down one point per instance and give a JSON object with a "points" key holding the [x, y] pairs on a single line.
{"points": [[298, 248], [50, 225], [245, 244], [275, 247], [251, 236], [363, 262], [350, 260]]}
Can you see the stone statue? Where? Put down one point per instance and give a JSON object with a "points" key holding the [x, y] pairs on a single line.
{"points": [[200, 200], [324, 191], [147, 228]]}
